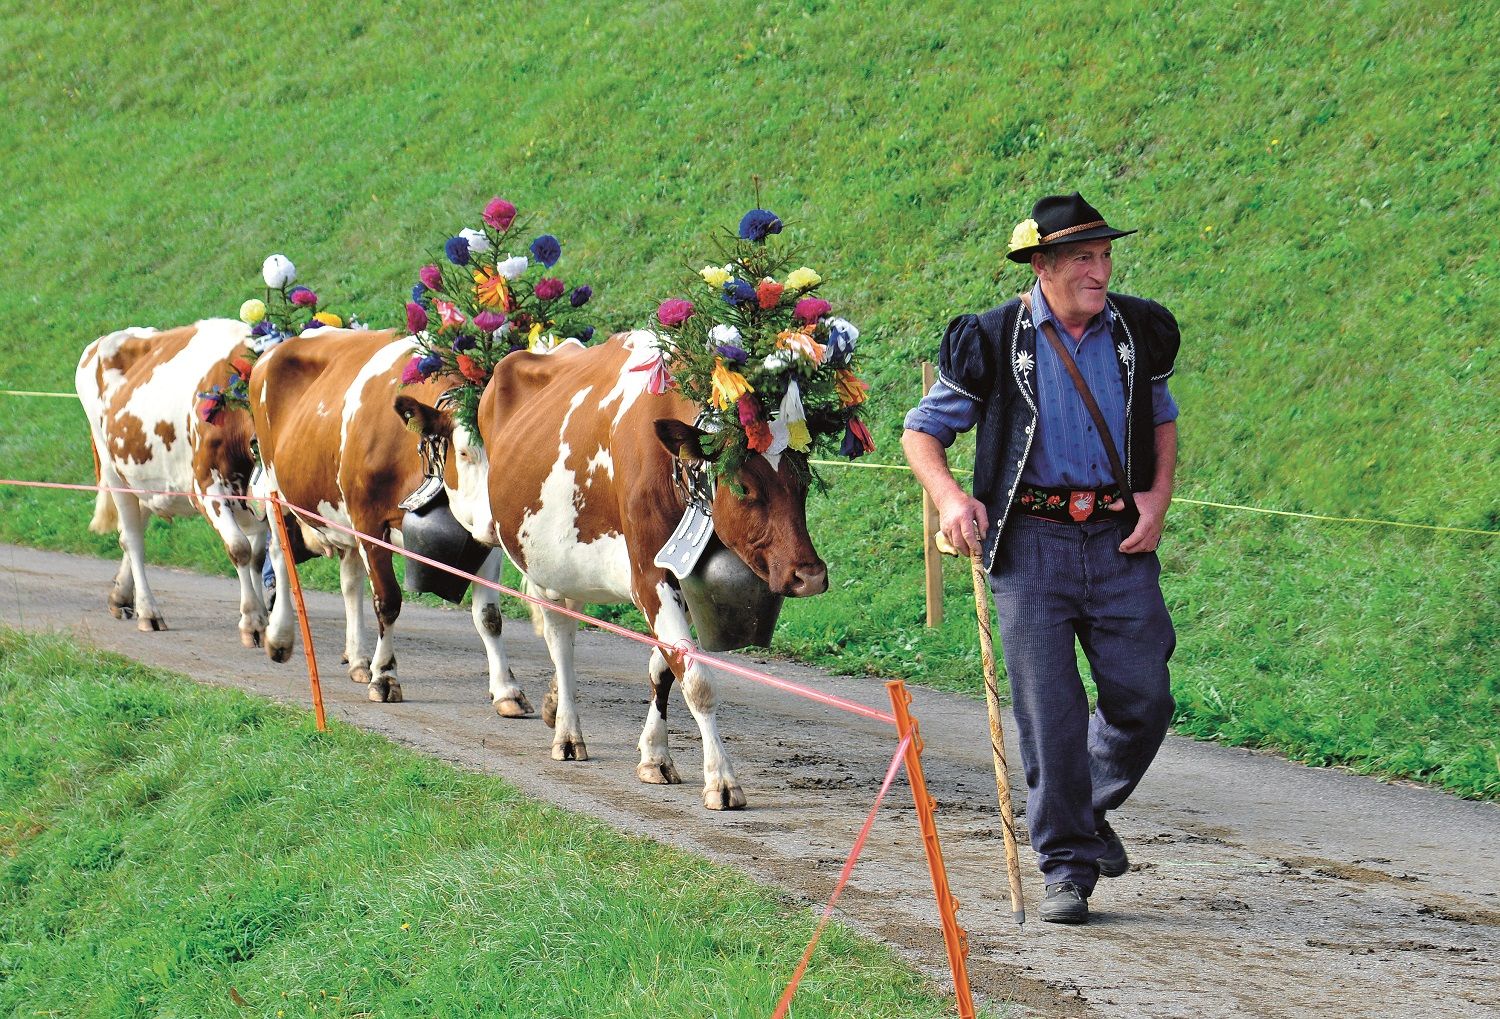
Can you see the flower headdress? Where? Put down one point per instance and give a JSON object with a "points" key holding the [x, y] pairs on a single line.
{"points": [[473, 305], [287, 311], [763, 356]]}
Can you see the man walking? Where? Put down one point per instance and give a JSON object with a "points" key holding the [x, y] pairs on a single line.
{"points": [[1077, 445]]}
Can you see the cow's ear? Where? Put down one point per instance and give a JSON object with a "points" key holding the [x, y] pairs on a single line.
{"points": [[422, 419], [681, 439]]}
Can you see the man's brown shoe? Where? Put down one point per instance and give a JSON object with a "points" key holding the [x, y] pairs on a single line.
{"points": [[1065, 903], [1113, 862]]}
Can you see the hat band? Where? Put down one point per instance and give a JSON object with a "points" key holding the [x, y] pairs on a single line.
{"points": [[1049, 238]]}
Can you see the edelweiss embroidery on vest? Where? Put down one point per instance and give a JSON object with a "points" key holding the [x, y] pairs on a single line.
{"points": [[1123, 349], [1024, 364]]}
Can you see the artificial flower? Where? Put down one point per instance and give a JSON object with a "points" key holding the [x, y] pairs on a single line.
{"points": [[768, 293], [487, 321], [412, 373], [757, 224], [857, 440], [463, 342], [580, 296], [240, 365], [800, 344], [419, 294], [674, 312], [660, 377], [842, 337], [728, 386], [791, 411], [732, 353], [852, 390], [810, 309], [302, 297], [512, 268], [715, 276], [802, 279], [539, 342], [1025, 235], [261, 328], [478, 242], [549, 288], [457, 250], [209, 405], [547, 250], [757, 432], [471, 369], [738, 292], [430, 364], [431, 277], [313, 323], [491, 291], [449, 317], [724, 333], [585, 334], [278, 271], [499, 214], [328, 318], [252, 311]]}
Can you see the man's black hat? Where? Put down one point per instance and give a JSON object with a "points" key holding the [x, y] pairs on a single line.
{"points": [[1059, 219]]}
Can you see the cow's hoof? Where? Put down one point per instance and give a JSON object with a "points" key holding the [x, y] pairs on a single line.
{"points": [[658, 773], [278, 652], [122, 611], [723, 797], [514, 707], [360, 674], [549, 709], [250, 638], [570, 750], [384, 690], [151, 624]]}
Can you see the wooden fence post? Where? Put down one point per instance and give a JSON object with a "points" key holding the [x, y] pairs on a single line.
{"points": [[932, 559]]}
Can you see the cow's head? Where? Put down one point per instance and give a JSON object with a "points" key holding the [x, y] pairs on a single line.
{"points": [[465, 470], [767, 525]]}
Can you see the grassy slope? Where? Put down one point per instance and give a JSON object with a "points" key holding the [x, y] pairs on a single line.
{"points": [[1307, 183], [162, 843]]}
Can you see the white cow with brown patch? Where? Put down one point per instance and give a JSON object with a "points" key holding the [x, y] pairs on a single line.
{"points": [[574, 479], [139, 389]]}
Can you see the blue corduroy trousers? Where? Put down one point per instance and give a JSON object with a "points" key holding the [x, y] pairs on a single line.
{"points": [[1055, 583]]}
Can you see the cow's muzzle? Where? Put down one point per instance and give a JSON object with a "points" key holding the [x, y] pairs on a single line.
{"points": [[808, 580]]}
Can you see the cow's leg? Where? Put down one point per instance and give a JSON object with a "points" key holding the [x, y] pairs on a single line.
{"points": [[384, 685], [352, 578], [133, 519], [279, 631], [505, 693], [656, 765], [122, 592], [567, 738], [221, 514], [721, 790]]}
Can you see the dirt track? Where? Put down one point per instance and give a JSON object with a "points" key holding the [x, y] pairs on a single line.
{"points": [[1260, 887]]}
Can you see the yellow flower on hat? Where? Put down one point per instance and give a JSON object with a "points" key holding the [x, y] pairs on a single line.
{"points": [[328, 318], [252, 311], [714, 275], [728, 386], [801, 279], [1025, 235]]}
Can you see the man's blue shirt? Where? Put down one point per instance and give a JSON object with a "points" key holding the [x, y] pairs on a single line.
{"points": [[1067, 452]]}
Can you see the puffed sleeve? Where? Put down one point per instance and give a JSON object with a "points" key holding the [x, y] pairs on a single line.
{"points": [[965, 364], [1162, 341]]}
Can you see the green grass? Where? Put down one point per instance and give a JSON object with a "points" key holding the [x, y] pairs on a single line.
{"points": [[1311, 185], [162, 843]]}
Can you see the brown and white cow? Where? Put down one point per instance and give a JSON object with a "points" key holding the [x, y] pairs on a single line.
{"points": [[332, 443], [579, 485], [139, 389]]}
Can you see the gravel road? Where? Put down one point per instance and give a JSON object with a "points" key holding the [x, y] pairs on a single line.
{"points": [[1260, 888]]}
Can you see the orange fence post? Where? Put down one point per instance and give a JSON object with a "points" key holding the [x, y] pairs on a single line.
{"points": [[955, 938], [932, 559], [275, 509]]}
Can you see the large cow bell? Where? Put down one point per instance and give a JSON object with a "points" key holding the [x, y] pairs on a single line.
{"points": [[430, 529], [730, 606]]}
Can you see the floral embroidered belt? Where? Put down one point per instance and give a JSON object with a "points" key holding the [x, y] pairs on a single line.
{"points": [[1069, 505]]}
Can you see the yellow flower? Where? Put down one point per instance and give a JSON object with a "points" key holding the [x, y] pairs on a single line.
{"points": [[490, 290], [1025, 235], [328, 318], [852, 390], [252, 311], [714, 276], [800, 344], [801, 279], [798, 437], [533, 336], [728, 386]]}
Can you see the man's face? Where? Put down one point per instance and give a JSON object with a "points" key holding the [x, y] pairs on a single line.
{"points": [[1075, 284]]}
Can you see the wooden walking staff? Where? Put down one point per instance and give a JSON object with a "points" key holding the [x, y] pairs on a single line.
{"points": [[997, 735], [275, 509]]}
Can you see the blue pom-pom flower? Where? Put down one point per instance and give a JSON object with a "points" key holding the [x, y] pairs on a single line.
{"points": [[757, 224]]}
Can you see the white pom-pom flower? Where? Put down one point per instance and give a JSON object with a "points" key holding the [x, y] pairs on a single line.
{"points": [[512, 268], [278, 271], [478, 242]]}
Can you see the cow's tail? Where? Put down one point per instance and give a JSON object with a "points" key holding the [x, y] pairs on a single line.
{"points": [[106, 516]]}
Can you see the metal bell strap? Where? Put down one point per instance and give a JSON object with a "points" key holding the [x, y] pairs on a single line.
{"points": [[695, 482], [433, 449]]}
